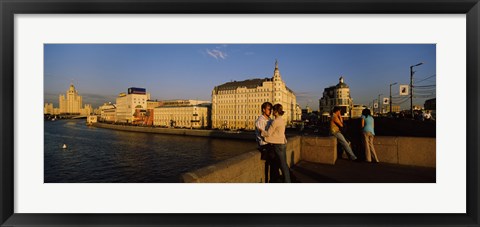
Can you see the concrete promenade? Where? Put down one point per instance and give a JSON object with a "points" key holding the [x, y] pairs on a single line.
{"points": [[345, 171]]}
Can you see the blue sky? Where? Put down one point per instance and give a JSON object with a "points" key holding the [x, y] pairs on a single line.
{"points": [[190, 71]]}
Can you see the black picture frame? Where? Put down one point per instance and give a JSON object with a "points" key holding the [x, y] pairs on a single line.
{"points": [[9, 8]]}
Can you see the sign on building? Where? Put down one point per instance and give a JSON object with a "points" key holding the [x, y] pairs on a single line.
{"points": [[386, 101], [404, 90], [375, 105], [136, 90]]}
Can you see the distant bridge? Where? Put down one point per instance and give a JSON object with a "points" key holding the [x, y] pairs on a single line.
{"points": [[65, 116], [79, 117]]}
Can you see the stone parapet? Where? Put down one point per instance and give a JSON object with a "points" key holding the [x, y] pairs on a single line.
{"points": [[294, 150], [319, 149], [244, 168], [413, 151], [386, 148]]}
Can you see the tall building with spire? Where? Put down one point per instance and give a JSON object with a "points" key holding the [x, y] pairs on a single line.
{"points": [[237, 104], [71, 103]]}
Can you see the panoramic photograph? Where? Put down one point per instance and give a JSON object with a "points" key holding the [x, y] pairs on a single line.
{"points": [[239, 113]]}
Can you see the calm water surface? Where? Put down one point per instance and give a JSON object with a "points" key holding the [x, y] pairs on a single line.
{"points": [[100, 155]]}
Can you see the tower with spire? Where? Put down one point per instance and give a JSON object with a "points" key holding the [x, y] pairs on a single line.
{"points": [[72, 103], [277, 84], [276, 72]]}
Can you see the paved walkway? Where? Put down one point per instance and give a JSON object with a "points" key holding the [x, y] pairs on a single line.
{"points": [[345, 171]]}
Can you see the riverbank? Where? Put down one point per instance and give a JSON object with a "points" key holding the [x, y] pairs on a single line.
{"points": [[182, 132]]}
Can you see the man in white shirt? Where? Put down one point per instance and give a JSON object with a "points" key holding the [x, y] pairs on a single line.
{"points": [[263, 122]]}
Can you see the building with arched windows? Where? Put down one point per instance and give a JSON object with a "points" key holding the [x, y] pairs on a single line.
{"points": [[191, 115], [237, 104], [337, 95]]}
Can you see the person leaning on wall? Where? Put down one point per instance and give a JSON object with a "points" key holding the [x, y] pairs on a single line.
{"points": [[275, 135], [262, 123], [368, 135], [336, 124]]}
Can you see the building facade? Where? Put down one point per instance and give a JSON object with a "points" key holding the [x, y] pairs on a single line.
{"points": [[48, 108], [128, 103], [237, 104], [298, 111], [71, 102], [92, 119], [187, 116], [395, 109], [108, 112], [338, 95], [357, 111], [86, 110], [151, 104]]}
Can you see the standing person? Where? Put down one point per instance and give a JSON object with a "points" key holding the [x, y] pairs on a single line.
{"points": [[261, 124], [427, 115], [368, 134], [275, 135], [336, 123]]}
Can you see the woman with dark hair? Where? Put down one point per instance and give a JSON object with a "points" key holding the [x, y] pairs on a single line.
{"points": [[276, 135], [368, 134], [336, 123]]}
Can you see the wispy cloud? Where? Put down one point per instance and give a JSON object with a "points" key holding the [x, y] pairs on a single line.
{"points": [[303, 94], [217, 54]]}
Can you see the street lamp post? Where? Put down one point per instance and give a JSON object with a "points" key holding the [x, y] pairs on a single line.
{"points": [[379, 109], [411, 86], [390, 101]]}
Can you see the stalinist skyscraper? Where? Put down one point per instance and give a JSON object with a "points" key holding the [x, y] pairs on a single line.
{"points": [[72, 104]]}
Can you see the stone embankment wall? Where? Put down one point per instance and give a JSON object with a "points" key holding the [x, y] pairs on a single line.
{"points": [[413, 151], [244, 168], [182, 132], [248, 168], [319, 149]]}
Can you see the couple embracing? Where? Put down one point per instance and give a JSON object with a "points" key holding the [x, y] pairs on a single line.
{"points": [[270, 135]]}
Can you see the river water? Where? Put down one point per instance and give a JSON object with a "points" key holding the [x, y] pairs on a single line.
{"points": [[97, 155]]}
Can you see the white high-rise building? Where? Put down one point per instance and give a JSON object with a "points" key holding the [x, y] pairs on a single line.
{"points": [[127, 103]]}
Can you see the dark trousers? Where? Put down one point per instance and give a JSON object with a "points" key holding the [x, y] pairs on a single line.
{"points": [[272, 167]]}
